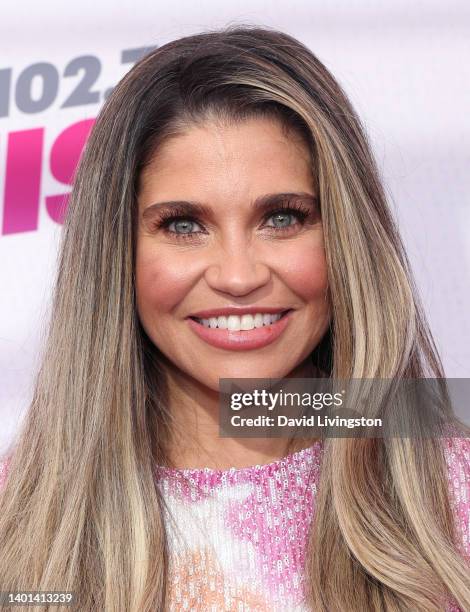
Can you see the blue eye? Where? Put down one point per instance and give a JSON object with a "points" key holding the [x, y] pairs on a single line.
{"points": [[282, 216], [181, 226]]}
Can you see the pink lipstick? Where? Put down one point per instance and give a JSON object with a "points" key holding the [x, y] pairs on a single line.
{"points": [[241, 340]]}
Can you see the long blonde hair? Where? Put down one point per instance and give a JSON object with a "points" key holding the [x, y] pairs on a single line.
{"points": [[80, 510]]}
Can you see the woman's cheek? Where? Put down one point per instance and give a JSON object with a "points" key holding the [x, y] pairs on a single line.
{"points": [[162, 282], [305, 272]]}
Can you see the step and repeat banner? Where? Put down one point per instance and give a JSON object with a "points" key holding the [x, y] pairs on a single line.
{"points": [[405, 68]]}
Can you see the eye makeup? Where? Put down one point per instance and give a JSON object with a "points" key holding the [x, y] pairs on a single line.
{"points": [[302, 209]]}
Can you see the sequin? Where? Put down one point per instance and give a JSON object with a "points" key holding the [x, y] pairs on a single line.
{"points": [[253, 524], [237, 537], [253, 521]]}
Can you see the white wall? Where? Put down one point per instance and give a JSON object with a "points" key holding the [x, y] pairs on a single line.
{"points": [[405, 66]]}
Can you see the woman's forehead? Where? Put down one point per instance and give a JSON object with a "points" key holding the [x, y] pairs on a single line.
{"points": [[233, 160], [222, 138]]}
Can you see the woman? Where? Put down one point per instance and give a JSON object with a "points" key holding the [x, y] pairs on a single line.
{"points": [[228, 170]]}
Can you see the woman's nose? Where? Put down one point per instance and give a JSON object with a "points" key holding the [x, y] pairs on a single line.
{"points": [[237, 271]]}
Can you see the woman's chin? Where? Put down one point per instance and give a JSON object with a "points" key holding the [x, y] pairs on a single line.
{"points": [[213, 382]]}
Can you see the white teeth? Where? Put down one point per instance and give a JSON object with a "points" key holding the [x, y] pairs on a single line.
{"points": [[236, 323], [258, 320]]}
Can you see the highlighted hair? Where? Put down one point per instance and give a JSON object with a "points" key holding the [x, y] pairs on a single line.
{"points": [[80, 510]]}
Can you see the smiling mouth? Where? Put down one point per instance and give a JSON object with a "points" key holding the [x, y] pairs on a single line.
{"points": [[242, 333], [243, 322]]}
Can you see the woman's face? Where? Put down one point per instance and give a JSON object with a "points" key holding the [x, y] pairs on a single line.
{"points": [[239, 250]]}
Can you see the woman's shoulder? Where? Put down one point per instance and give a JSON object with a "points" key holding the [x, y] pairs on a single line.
{"points": [[457, 455], [456, 450]]}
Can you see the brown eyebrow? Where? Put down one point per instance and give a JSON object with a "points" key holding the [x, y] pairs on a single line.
{"points": [[262, 203]]}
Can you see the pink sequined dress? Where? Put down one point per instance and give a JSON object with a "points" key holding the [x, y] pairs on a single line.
{"points": [[237, 537]]}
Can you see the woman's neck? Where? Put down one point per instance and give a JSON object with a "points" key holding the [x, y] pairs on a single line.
{"points": [[194, 440]]}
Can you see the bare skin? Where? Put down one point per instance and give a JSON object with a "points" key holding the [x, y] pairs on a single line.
{"points": [[232, 256]]}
